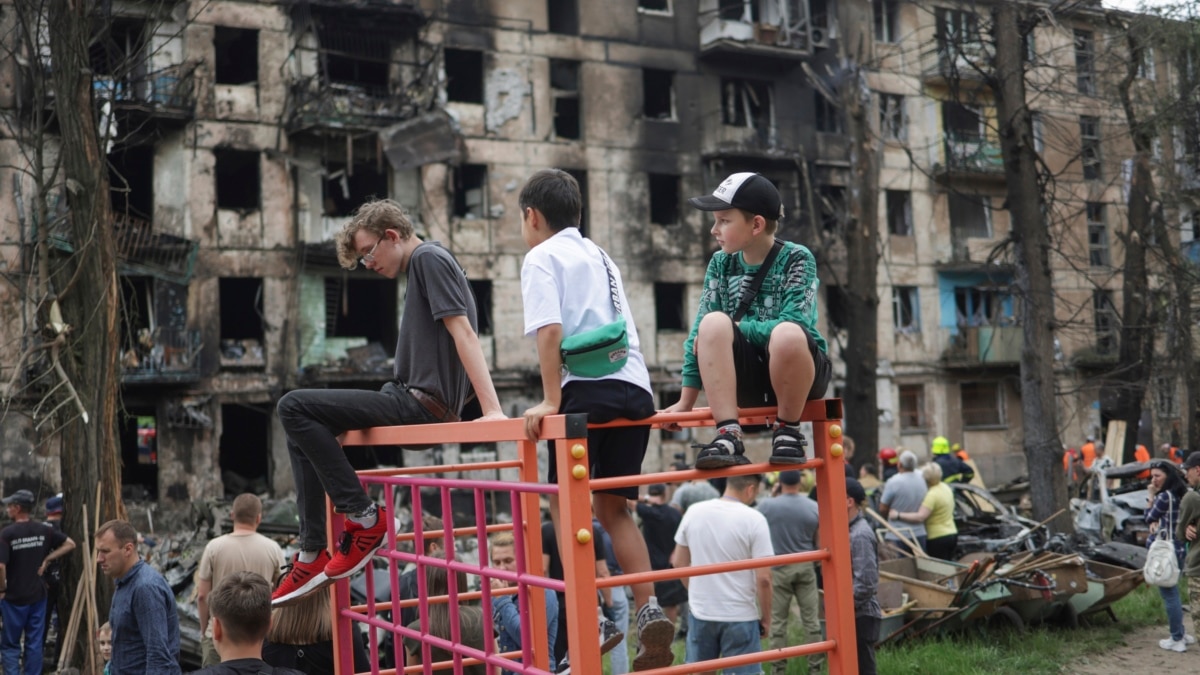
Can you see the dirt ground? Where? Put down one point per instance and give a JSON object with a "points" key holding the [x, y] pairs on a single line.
{"points": [[1139, 654]]}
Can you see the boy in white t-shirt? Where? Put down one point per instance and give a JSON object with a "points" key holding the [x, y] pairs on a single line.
{"points": [[565, 289]]}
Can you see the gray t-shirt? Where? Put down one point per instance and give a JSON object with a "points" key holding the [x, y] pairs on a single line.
{"points": [[905, 492], [426, 357], [793, 522], [691, 493]]}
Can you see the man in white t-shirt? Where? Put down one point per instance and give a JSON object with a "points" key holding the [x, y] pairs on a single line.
{"points": [[243, 550], [724, 619]]}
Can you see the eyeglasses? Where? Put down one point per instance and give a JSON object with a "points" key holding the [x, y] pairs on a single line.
{"points": [[369, 256]]}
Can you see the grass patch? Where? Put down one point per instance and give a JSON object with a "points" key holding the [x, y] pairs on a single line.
{"points": [[1042, 649]]}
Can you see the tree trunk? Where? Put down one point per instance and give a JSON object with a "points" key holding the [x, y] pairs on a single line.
{"points": [[1137, 335], [861, 351], [87, 288], [1043, 448]]}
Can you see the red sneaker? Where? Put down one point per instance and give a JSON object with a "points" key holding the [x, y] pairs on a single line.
{"points": [[300, 579], [358, 543]]}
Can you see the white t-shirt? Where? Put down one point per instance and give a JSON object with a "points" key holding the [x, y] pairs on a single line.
{"points": [[723, 530], [563, 281]]}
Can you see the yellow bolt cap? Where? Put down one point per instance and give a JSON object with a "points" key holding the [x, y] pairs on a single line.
{"points": [[580, 472], [836, 450], [583, 537], [578, 451], [835, 431]]}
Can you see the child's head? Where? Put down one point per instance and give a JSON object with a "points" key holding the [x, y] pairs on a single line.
{"points": [[747, 196], [554, 193], [241, 605], [104, 640]]}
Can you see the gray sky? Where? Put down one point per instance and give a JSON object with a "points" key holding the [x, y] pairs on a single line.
{"points": [[1137, 4]]}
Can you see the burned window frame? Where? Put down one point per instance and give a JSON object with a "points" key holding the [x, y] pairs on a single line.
{"points": [[466, 84], [468, 177], [1105, 321], [674, 294], [235, 183], [906, 309], [827, 117], [653, 80], [893, 118], [225, 39], [742, 106], [901, 224], [656, 182], [568, 101], [984, 202]]}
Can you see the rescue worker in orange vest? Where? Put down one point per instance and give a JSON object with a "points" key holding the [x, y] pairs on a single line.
{"points": [[1141, 454], [960, 452], [1088, 452]]}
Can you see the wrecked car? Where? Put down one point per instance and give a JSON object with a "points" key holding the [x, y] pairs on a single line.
{"points": [[1114, 511], [985, 524]]}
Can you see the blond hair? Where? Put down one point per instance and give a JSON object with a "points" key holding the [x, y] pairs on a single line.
{"points": [[377, 217], [502, 539], [932, 473], [304, 623]]}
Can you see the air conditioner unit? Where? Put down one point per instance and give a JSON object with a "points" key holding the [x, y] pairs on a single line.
{"points": [[820, 36]]}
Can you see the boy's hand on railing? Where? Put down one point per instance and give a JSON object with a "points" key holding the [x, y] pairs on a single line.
{"points": [[492, 416], [678, 407], [533, 418]]}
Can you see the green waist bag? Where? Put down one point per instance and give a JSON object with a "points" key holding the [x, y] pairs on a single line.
{"points": [[597, 352]]}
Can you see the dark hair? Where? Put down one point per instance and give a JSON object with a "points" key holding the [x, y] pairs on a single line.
{"points": [[1174, 482], [743, 482], [555, 193], [242, 602]]}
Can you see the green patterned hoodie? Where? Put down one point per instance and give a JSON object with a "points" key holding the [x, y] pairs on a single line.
{"points": [[788, 293]]}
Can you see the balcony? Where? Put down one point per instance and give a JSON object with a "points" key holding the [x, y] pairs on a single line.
{"points": [[165, 95], [775, 40], [162, 356], [964, 64], [969, 156], [975, 346], [335, 107], [140, 250]]}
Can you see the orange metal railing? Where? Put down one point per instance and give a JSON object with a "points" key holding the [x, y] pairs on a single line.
{"points": [[568, 437]]}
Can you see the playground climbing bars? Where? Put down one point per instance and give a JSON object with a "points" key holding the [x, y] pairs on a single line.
{"points": [[567, 435]]}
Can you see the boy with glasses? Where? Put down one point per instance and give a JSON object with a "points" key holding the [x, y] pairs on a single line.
{"points": [[439, 320]]}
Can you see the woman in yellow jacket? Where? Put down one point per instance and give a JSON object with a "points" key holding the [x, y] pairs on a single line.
{"points": [[937, 512]]}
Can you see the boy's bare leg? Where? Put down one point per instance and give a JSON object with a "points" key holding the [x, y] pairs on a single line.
{"points": [[792, 370], [628, 544], [714, 356]]}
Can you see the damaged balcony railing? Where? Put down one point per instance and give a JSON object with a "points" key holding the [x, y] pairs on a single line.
{"points": [[971, 154], [166, 90], [140, 249], [162, 355], [315, 103]]}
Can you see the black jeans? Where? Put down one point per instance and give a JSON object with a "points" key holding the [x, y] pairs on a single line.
{"points": [[313, 419], [867, 628]]}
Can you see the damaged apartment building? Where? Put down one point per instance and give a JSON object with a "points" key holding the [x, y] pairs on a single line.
{"points": [[246, 133], [261, 126]]}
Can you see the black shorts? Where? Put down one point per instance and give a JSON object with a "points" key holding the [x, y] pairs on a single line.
{"points": [[753, 368], [670, 593], [611, 452]]}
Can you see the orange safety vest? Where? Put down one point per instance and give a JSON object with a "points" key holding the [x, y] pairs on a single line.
{"points": [[1173, 455], [1089, 454], [1141, 454]]}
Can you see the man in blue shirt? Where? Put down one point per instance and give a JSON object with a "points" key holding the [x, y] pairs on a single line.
{"points": [[145, 626], [506, 614]]}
